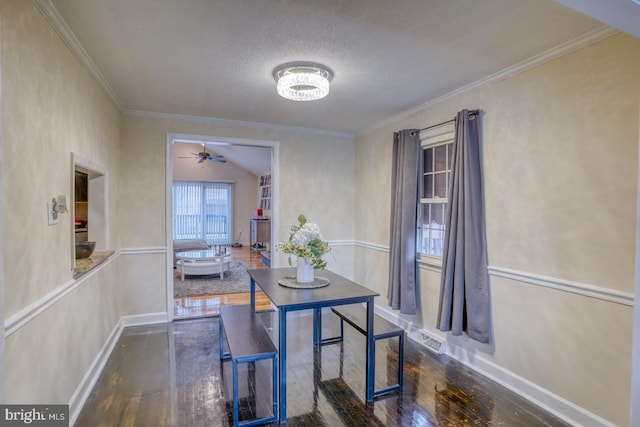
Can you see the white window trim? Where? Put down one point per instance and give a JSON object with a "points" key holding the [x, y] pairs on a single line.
{"points": [[432, 137]]}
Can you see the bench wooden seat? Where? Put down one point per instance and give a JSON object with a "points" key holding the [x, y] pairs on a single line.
{"points": [[356, 316], [248, 341]]}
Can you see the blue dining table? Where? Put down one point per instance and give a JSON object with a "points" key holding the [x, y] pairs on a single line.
{"points": [[340, 291]]}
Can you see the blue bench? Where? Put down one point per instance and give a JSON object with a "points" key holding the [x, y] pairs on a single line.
{"points": [[356, 316], [248, 341]]}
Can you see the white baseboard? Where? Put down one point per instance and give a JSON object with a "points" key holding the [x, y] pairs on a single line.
{"points": [[80, 396], [145, 319], [90, 378], [545, 399]]}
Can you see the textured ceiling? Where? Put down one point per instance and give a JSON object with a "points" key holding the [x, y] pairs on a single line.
{"points": [[215, 58]]}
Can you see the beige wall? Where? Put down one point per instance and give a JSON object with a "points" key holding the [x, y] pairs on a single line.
{"points": [[316, 177], [560, 147], [51, 107], [560, 166]]}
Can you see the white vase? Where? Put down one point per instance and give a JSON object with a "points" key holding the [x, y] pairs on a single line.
{"points": [[305, 271]]}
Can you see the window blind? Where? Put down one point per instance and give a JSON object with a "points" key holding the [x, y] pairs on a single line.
{"points": [[203, 210]]}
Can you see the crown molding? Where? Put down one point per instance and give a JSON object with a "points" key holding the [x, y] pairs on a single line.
{"points": [[65, 33], [235, 123], [63, 30], [587, 39]]}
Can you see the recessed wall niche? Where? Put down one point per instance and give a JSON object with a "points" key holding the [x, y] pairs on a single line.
{"points": [[90, 215]]}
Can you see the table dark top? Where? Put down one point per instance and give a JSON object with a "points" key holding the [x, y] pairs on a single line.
{"points": [[339, 291]]}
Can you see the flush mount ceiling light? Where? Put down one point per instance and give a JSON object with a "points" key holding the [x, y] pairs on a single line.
{"points": [[303, 82]]}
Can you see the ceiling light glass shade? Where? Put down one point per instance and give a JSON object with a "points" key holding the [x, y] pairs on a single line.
{"points": [[303, 83]]}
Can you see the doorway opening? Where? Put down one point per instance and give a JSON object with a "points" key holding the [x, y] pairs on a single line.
{"points": [[215, 193]]}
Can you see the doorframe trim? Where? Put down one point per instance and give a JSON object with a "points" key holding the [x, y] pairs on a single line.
{"points": [[275, 196]]}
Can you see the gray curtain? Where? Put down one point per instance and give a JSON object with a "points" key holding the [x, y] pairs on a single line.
{"points": [[464, 289], [402, 292]]}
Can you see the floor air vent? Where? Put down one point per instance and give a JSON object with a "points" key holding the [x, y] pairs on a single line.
{"points": [[431, 342]]}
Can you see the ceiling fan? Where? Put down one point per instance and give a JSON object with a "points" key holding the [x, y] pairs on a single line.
{"points": [[203, 155]]}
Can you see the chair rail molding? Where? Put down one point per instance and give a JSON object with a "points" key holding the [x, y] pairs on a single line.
{"points": [[372, 246], [13, 323], [605, 294]]}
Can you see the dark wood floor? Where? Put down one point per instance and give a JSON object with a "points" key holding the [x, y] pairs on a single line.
{"points": [[170, 375]]}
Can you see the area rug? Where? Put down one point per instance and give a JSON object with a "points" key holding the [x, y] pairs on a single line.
{"points": [[235, 280]]}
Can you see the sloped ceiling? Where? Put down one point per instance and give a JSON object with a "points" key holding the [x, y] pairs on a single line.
{"points": [[621, 14]]}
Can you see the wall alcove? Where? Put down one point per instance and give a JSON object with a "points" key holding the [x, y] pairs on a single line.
{"points": [[89, 212]]}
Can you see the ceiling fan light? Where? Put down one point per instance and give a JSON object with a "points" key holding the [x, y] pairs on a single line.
{"points": [[303, 83]]}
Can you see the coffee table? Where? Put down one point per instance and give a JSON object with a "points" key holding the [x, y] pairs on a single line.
{"points": [[201, 263]]}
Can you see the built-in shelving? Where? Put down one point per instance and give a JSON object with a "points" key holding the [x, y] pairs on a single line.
{"points": [[264, 193]]}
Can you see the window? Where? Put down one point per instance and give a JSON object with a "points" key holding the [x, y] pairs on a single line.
{"points": [[203, 210], [435, 170]]}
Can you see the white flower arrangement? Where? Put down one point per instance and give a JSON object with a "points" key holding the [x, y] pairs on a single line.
{"points": [[306, 242]]}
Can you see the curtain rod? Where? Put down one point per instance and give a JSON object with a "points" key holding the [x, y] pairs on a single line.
{"points": [[472, 114]]}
